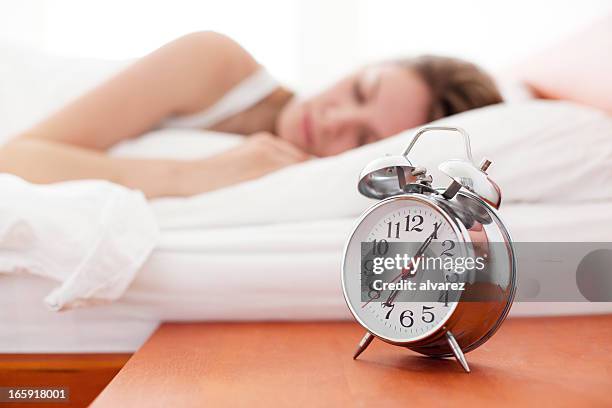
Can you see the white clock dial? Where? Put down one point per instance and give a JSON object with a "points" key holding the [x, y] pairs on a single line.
{"points": [[400, 316]]}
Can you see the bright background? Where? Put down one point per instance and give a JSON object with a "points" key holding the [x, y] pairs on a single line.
{"points": [[303, 42]]}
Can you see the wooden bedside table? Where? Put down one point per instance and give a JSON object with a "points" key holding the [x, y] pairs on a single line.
{"points": [[563, 361]]}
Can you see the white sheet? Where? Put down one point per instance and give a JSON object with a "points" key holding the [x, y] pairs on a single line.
{"points": [[187, 279], [90, 236]]}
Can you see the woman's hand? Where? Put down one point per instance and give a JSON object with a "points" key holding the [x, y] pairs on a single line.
{"points": [[260, 154], [266, 153]]}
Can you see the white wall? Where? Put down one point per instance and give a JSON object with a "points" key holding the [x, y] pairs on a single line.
{"points": [[304, 42], [22, 23]]}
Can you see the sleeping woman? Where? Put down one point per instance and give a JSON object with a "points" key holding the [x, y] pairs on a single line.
{"points": [[205, 80]]}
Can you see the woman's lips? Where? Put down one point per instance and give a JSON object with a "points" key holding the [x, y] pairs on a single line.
{"points": [[307, 128]]}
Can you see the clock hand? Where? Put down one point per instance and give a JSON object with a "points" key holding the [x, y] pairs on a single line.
{"points": [[407, 271], [404, 272]]}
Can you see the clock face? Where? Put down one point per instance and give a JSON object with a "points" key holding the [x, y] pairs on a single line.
{"points": [[401, 229]]}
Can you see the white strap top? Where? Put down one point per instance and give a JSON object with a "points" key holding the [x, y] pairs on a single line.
{"points": [[241, 97]]}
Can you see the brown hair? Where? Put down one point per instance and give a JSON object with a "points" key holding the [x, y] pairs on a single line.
{"points": [[455, 85]]}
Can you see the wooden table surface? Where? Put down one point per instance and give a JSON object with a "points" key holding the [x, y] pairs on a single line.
{"points": [[85, 375], [529, 362]]}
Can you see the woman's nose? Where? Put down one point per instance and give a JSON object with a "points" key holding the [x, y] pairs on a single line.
{"points": [[336, 122]]}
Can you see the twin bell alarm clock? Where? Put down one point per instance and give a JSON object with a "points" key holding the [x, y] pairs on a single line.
{"points": [[427, 268]]}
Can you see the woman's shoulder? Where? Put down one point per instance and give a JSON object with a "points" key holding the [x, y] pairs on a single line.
{"points": [[233, 61]]}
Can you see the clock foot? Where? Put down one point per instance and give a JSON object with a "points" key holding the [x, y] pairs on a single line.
{"points": [[457, 351], [363, 344]]}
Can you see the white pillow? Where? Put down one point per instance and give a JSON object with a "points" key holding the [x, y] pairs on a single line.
{"points": [[33, 85], [542, 151]]}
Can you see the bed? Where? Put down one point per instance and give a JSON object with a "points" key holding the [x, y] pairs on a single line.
{"points": [[180, 282], [204, 238]]}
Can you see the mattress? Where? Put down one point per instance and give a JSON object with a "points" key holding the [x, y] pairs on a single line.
{"points": [[28, 326], [185, 280]]}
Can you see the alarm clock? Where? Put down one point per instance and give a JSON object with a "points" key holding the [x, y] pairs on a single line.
{"points": [[438, 311]]}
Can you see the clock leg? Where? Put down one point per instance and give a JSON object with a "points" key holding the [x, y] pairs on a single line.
{"points": [[363, 344], [457, 351]]}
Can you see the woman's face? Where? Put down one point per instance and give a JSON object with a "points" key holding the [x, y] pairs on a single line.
{"points": [[371, 104]]}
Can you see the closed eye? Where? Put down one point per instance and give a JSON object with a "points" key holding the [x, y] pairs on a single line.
{"points": [[362, 138], [358, 94], [367, 135]]}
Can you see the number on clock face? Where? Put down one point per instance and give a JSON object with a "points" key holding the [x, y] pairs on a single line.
{"points": [[397, 316]]}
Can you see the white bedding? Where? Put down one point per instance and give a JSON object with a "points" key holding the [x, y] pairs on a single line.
{"points": [[315, 191], [277, 241], [187, 279], [91, 236]]}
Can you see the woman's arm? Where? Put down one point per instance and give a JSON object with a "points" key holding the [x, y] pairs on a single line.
{"points": [[41, 161], [182, 77]]}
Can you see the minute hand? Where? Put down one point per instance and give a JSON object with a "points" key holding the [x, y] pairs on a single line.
{"points": [[410, 268]]}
